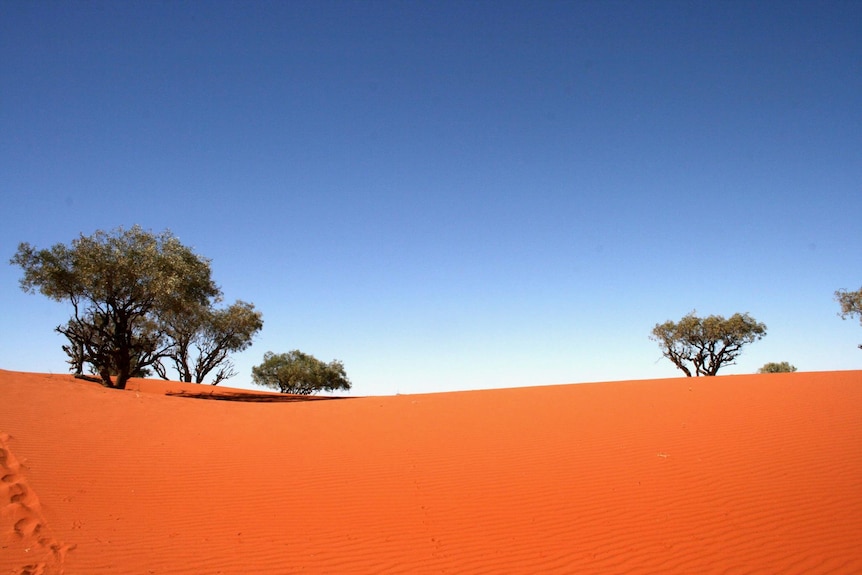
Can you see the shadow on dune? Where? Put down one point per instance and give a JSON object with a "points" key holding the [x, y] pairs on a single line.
{"points": [[253, 397]]}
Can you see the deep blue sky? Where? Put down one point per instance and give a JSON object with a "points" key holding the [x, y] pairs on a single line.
{"points": [[452, 195]]}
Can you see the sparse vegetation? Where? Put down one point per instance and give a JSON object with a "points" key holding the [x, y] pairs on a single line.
{"points": [[138, 298], [708, 343], [775, 367], [299, 373], [851, 304]]}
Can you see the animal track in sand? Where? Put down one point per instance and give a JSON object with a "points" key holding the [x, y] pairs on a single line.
{"points": [[20, 508]]}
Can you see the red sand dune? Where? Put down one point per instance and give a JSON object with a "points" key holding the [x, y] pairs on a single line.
{"points": [[726, 475]]}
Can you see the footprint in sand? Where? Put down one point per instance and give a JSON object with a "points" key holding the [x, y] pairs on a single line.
{"points": [[20, 506], [18, 493], [27, 527]]}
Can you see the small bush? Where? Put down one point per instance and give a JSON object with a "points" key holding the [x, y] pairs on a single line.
{"points": [[773, 367]]}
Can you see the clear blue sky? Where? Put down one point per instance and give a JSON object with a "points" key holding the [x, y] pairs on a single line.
{"points": [[451, 195]]}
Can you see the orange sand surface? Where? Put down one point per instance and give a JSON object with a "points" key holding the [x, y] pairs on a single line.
{"points": [[725, 475]]}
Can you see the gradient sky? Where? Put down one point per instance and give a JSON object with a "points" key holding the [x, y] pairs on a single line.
{"points": [[451, 195]]}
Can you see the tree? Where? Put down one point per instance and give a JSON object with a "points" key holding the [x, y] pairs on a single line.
{"points": [[299, 373], [119, 284], [851, 304], [87, 345], [708, 343], [203, 337], [773, 367]]}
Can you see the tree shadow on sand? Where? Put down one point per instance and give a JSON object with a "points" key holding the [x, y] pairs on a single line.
{"points": [[250, 397]]}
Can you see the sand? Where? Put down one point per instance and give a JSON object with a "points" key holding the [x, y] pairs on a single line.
{"points": [[724, 475]]}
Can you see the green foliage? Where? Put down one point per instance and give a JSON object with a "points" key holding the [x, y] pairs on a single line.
{"points": [[126, 287], [851, 304], [774, 367], [203, 337], [299, 373], [707, 343]]}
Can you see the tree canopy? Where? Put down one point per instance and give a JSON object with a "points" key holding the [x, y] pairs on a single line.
{"points": [[707, 343], [851, 304], [126, 287], [299, 373]]}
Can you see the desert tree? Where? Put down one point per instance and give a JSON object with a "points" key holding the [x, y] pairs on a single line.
{"points": [[203, 337], [119, 283], [299, 373], [707, 343], [89, 346], [777, 367], [851, 304]]}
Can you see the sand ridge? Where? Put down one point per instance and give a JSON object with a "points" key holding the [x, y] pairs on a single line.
{"points": [[734, 474]]}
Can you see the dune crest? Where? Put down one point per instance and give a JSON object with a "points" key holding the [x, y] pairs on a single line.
{"points": [[732, 474]]}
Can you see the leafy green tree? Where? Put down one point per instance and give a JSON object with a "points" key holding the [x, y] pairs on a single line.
{"points": [[299, 373], [203, 338], [851, 304], [119, 284], [774, 367], [707, 343]]}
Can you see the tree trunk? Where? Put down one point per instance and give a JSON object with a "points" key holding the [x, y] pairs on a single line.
{"points": [[105, 374], [122, 360], [122, 380]]}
